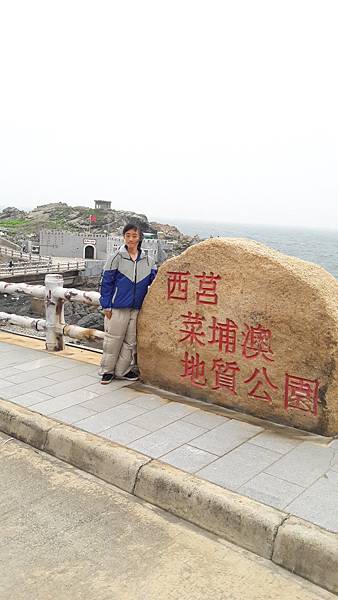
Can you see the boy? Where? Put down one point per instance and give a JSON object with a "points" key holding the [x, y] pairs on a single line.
{"points": [[126, 278]]}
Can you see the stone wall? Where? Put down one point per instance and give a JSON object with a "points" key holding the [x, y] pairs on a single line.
{"points": [[72, 245], [234, 323]]}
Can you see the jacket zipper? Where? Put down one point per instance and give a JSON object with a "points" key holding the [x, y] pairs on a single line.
{"points": [[135, 274], [114, 296]]}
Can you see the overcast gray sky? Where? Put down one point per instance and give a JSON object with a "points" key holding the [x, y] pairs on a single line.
{"points": [[214, 110]]}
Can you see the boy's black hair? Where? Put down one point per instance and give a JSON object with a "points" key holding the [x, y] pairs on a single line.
{"points": [[135, 227], [130, 226]]}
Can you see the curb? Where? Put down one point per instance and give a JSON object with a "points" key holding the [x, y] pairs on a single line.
{"points": [[236, 518], [113, 463], [296, 545]]}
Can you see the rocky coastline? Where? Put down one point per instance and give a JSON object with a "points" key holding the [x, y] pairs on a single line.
{"points": [[17, 227]]}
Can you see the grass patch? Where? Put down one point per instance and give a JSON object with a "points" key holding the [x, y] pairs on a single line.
{"points": [[13, 222]]}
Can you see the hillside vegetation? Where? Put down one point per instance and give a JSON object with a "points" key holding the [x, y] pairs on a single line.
{"points": [[18, 223]]}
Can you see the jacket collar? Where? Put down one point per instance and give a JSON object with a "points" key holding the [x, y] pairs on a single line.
{"points": [[124, 252]]}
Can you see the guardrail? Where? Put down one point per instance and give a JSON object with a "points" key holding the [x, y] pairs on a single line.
{"points": [[54, 295], [5, 251], [60, 267]]}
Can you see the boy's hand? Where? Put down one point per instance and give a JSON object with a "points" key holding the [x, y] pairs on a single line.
{"points": [[107, 313]]}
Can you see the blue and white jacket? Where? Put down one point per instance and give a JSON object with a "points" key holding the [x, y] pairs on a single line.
{"points": [[124, 282]]}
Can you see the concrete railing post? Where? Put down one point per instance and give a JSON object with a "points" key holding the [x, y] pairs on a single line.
{"points": [[54, 314]]}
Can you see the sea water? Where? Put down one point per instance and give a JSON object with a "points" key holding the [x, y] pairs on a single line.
{"points": [[319, 246]]}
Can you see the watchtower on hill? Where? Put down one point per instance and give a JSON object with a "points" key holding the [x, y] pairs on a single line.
{"points": [[103, 204]]}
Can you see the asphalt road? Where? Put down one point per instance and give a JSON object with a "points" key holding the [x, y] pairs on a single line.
{"points": [[66, 534]]}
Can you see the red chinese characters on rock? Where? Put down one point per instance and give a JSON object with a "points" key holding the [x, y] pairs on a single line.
{"points": [[257, 342], [301, 394], [178, 282], [224, 334], [225, 375], [206, 293], [177, 285], [194, 369], [193, 323], [259, 390]]}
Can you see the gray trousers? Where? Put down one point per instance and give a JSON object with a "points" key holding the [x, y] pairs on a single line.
{"points": [[119, 344]]}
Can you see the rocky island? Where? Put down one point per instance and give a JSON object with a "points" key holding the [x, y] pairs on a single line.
{"points": [[19, 228], [18, 225]]}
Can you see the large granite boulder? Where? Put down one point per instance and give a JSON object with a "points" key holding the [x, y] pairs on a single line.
{"points": [[234, 323]]}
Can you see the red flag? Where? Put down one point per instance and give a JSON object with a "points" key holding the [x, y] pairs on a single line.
{"points": [[92, 218]]}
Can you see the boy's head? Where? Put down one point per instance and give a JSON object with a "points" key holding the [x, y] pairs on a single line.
{"points": [[132, 235]]}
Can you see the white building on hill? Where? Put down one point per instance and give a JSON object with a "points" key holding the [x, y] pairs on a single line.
{"points": [[94, 246]]}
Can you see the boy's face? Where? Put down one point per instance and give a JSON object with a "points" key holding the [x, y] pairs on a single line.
{"points": [[132, 238]]}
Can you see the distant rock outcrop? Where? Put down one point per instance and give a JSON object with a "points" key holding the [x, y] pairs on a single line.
{"points": [[12, 213], [169, 231], [20, 225]]}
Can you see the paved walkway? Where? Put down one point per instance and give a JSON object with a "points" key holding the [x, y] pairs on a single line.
{"points": [[282, 467], [66, 535]]}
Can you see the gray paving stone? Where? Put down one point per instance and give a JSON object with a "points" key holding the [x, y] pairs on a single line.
{"points": [[333, 444], [4, 347], [5, 384], [226, 437], [47, 371], [276, 442], [239, 466], [123, 393], [124, 433], [271, 490], [11, 359], [109, 418], [72, 414], [23, 388], [319, 503], [204, 419], [303, 465], [100, 389], [31, 398], [8, 371], [188, 458], [167, 438], [65, 363], [44, 361], [36, 353], [109, 400], [66, 374], [59, 389], [160, 417], [53, 405], [334, 460], [149, 401], [25, 354]]}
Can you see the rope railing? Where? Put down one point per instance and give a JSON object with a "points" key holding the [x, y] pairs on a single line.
{"points": [[54, 295]]}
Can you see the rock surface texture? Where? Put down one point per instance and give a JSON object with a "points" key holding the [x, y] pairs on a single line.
{"points": [[234, 323]]}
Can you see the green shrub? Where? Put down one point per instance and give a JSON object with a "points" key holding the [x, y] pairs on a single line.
{"points": [[13, 222]]}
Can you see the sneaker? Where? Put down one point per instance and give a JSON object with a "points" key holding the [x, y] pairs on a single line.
{"points": [[130, 376], [107, 378]]}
